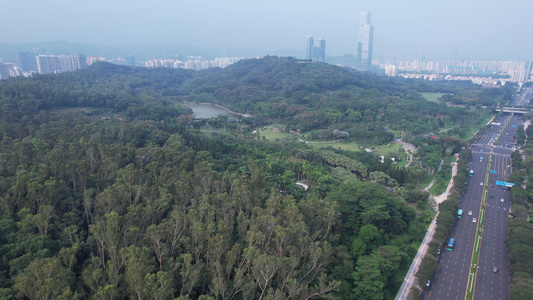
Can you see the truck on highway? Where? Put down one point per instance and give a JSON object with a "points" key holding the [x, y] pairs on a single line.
{"points": [[459, 213], [451, 242], [471, 172], [481, 159]]}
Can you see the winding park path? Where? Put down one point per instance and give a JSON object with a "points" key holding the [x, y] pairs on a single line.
{"points": [[409, 150], [410, 279]]}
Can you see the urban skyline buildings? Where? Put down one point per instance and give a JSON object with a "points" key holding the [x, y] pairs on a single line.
{"points": [[365, 42], [315, 53], [51, 64]]}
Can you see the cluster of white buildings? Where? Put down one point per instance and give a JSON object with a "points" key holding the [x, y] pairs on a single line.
{"points": [[9, 70], [193, 63], [476, 70], [52, 64], [30, 63]]}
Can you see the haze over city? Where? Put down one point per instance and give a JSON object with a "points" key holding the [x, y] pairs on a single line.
{"points": [[490, 30]]}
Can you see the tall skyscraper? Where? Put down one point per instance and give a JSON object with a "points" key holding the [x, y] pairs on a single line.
{"points": [[322, 50], [366, 41], [316, 53], [310, 42]]}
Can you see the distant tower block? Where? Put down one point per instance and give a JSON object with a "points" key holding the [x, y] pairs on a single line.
{"points": [[310, 42], [315, 53], [366, 41]]}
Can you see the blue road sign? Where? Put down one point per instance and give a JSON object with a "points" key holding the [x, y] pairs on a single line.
{"points": [[492, 172]]}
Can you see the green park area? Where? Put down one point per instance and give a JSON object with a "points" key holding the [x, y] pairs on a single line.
{"points": [[433, 97], [272, 133]]}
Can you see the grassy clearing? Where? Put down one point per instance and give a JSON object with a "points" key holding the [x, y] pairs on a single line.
{"points": [[433, 97], [270, 135], [394, 148], [482, 124], [385, 149], [352, 146]]}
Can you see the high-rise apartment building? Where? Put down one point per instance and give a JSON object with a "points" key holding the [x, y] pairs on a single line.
{"points": [[48, 64], [79, 62], [66, 64], [316, 53], [51, 64], [4, 71], [26, 61], [365, 41], [131, 60]]}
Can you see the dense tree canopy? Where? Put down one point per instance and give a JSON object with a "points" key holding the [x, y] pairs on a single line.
{"points": [[107, 190]]}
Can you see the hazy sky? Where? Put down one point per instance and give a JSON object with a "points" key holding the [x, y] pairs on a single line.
{"points": [[482, 29]]}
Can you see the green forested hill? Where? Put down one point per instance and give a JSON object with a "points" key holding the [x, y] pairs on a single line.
{"points": [[107, 193], [310, 96]]}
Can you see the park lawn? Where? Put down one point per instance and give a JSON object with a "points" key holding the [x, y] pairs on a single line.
{"points": [[433, 97], [271, 136], [385, 149], [391, 147], [352, 146]]}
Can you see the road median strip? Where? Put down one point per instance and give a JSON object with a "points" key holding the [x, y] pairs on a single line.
{"points": [[479, 235]]}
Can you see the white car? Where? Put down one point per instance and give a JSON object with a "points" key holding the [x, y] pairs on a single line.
{"points": [[502, 200], [470, 213], [474, 220], [481, 183]]}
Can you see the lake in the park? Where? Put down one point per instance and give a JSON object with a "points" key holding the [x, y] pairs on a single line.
{"points": [[206, 111]]}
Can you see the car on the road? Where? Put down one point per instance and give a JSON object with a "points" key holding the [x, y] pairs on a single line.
{"points": [[495, 269], [428, 282], [469, 212], [474, 220], [502, 200], [481, 183]]}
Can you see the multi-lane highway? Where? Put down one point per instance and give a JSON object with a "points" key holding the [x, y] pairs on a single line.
{"points": [[492, 279], [455, 273]]}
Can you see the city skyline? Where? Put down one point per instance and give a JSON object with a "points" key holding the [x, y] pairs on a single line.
{"points": [[315, 53], [452, 29]]}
